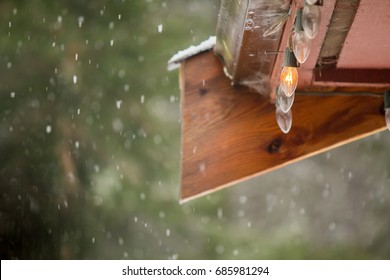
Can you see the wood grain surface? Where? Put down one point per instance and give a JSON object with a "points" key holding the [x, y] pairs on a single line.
{"points": [[230, 134], [240, 40]]}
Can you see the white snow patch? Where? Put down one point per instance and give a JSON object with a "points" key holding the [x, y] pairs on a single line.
{"points": [[80, 21], [174, 61], [117, 125], [220, 213], [219, 249], [243, 199]]}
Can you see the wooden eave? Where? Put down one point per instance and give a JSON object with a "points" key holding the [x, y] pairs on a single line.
{"points": [[229, 132]]}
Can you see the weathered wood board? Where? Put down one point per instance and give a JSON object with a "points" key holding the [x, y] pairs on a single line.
{"points": [[240, 40], [230, 134]]}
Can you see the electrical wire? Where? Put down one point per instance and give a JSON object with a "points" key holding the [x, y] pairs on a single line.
{"points": [[339, 93]]}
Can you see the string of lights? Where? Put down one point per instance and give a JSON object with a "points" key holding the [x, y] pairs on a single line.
{"points": [[307, 22], [306, 27]]}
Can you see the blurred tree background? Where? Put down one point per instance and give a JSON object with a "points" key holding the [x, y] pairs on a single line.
{"points": [[90, 150]]}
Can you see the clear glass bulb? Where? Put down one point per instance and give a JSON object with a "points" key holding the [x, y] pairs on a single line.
{"points": [[284, 120], [289, 80], [301, 46], [311, 19], [311, 2], [284, 102], [387, 118]]}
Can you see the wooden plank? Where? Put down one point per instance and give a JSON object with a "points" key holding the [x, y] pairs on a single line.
{"points": [[379, 78], [240, 41], [230, 134], [343, 15], [368, 41]]}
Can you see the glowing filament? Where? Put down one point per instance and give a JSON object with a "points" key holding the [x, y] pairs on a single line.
{"points": [[289, 80]]}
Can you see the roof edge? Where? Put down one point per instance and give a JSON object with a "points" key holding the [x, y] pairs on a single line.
{"points": [[180, 56]]}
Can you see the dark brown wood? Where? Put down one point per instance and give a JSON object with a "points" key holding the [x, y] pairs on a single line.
{"points": [[230, 134], [343, 16], [355, 77]]}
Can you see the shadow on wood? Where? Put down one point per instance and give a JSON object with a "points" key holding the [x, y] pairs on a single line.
{"points": [[230, 134]]}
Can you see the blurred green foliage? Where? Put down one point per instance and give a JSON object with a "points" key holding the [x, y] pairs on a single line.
{"points": [[90, 150]]}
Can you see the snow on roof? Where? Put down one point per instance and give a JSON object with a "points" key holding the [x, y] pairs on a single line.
{"points": [[174, 61]]}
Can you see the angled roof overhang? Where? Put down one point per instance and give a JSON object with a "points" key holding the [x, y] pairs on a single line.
{"points": [[229, 131]]}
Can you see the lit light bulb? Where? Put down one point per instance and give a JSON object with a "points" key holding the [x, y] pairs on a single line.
{"points": [[289, 80], [301, 46], [283, 101], [311, 19], [311, 2], [284, 120]]}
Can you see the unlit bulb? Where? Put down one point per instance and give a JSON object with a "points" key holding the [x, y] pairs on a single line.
{"points": [[387, 118], [387, 108], [284, 120], [301, 46], [289, 80], [283, 101], [311, 19]]}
